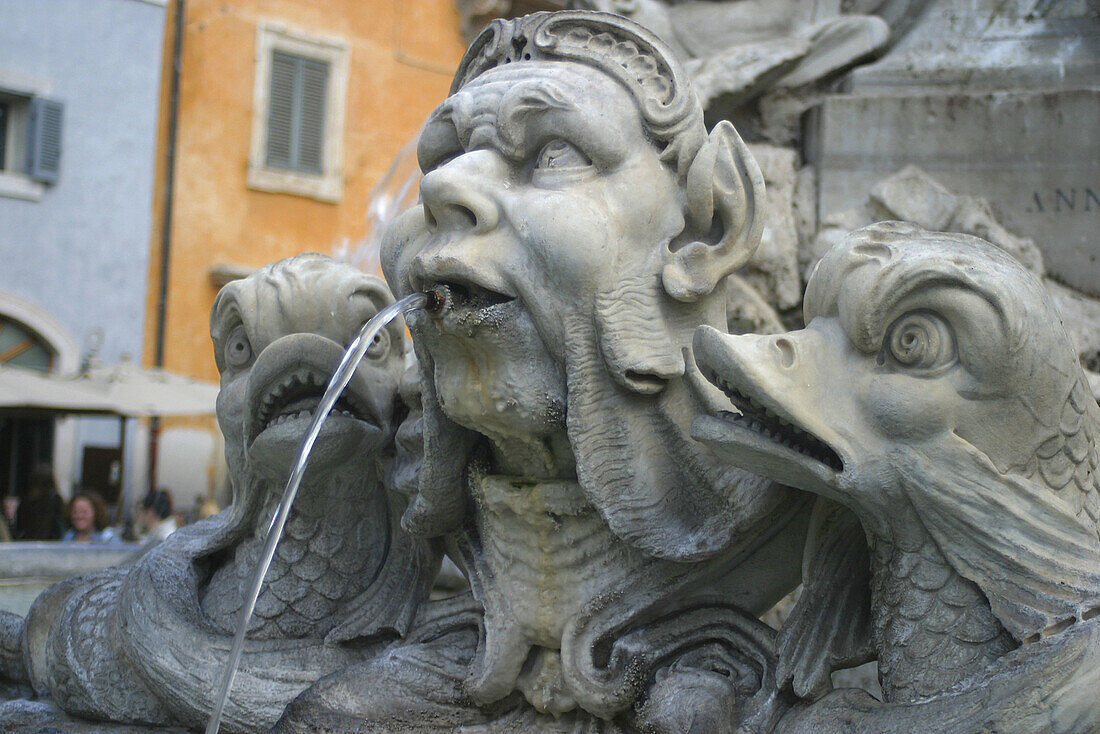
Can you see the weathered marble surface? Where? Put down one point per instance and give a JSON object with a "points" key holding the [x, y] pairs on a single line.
{"points": [[914, 196], [579, 221], [967, 451], [146, 643], [989, 97], [587, 239], [992, 98], [737, 50]]}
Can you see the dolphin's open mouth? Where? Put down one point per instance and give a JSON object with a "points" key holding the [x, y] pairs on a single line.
{"points": [[770, 424], [296, 397]]}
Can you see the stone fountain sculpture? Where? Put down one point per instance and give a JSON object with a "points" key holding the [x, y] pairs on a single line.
{"points": [[578, 219], [578, 225], [936, 395], [737, 50], [146, 643]]}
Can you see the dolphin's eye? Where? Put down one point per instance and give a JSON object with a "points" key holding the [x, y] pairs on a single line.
{"points": [[379, 345], [920, 340], [238, 350]]}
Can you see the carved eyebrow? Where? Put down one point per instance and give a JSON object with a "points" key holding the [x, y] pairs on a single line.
{"points": [[517, 104], [460, 112], [502, 125], [438, 138]]}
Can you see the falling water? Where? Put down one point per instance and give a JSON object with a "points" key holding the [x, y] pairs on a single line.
{"points": [[336, 385]]}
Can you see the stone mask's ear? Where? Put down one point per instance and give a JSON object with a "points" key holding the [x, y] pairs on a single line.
{"points": [[725, 199]]}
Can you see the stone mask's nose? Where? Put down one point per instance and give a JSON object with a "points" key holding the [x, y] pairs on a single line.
{"points": [[460, 196]]}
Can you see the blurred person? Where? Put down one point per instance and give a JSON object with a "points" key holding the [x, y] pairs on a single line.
{"points": [[156, 520], [207, 507], [7, 519], [88, 520], [40, 513]]}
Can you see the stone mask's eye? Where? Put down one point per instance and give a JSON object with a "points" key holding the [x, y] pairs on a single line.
{"points": [[920, 341], [559, 164], [238, 350], [559, 154]]}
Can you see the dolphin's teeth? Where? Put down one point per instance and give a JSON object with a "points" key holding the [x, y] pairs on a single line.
{"points": [[297, 396], [761, 419]]}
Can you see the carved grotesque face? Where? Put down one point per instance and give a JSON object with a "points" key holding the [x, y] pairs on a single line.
{"points": [[579, 219], [541, 191]]}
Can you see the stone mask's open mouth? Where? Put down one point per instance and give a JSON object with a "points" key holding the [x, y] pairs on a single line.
{"points": [[462, 296], [777, 428]]}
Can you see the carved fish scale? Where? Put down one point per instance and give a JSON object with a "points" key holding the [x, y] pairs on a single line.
{"points": [[931, 624], [932, 627], [327, 556], [1067, 462]]}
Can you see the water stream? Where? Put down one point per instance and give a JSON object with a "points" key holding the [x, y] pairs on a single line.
{"points": [[336, 385]]}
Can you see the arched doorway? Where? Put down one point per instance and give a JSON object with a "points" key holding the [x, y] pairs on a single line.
{"points": [[32, 339], [21, 347]]}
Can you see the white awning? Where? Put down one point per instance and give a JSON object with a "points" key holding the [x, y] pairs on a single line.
{"points": [[124, 389]]}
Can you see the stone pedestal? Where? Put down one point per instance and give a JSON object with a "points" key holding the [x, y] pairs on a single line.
{"points": [[1034, 155], [997, 100]]}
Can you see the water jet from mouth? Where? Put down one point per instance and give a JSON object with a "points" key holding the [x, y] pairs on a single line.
{"points": [[340, 379], [436, 300]]}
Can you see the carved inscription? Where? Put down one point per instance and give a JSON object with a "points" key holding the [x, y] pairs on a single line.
{"points": [[1064, 201]]}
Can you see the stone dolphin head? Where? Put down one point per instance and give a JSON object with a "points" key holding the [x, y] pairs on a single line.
{"points": [[934, 373], [278, 336]]}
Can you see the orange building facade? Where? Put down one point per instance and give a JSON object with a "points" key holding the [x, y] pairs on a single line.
{"points": [[237, 200], [281, 118]]}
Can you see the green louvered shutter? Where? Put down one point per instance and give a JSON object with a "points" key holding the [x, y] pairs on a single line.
{"points": [[280, 111], [311, 137], [44, 139], [296, 113]]}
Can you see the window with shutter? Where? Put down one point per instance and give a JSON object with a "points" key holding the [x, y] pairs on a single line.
{"points": [[298, 113], [30, 143], [44, 140]]}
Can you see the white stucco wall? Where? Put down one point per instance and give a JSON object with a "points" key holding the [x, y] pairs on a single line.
{"points": [[80, 252]]}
